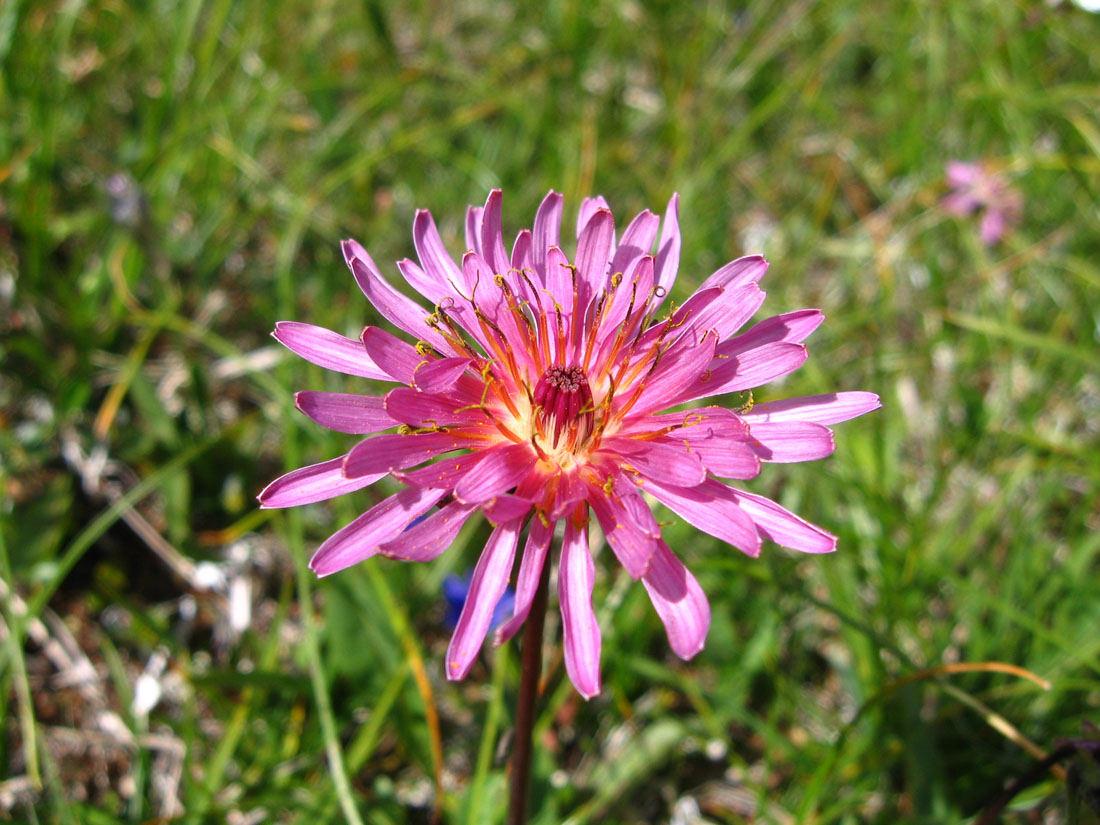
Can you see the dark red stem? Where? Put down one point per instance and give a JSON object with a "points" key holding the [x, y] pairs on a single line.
{"points": [[530, 672]]}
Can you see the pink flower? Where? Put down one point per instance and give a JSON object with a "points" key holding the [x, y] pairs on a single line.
{"points": [[975, 188], [534, 394]]}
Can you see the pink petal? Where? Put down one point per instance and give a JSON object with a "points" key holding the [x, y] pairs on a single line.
{"points": [[589, 207], [399, 310], [427, 409], [446, 296], [750, 369], [718, 309], [821, 409], [743, 271], [961, 173], [628, 496], [425, 540], [628, 297], [993, 226], [492, 234], [439, 267], [679, 370], [697, 422], [713, 508], [792, 441], [521, 251], [384, 453], [328, 349], [360, 539], [668, 250], [668, 462], [491, 300], [679, 601], [547, 230], [780, 525], [473, 229], [352, 249], [501, 470], [581, 632], [686, 317], [724, 453], [527, 582], [496, 297], [637, 240], [571, 491], [317, 482], [398, 358], [445, 473], [559, 283], [506, 507], [431, 288], [525, 282], [345, 412], [487, 585], [632, 545], [593, 254], [439, 375], [791, 328], [728, 311]]}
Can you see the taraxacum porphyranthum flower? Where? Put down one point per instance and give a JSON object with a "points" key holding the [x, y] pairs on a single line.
{"points": [[533, 393]]}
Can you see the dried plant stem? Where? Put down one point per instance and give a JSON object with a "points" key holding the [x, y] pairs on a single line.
{"points": [[530, 672]]}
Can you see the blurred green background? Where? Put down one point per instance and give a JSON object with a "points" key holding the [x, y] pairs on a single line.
{"points": [[176, 176]]}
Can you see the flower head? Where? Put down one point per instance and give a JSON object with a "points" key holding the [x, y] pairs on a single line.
{"points": [[975, 188], [535, 393]]}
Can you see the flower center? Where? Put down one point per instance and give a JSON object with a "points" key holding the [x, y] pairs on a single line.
{"points": [[566, 414]]}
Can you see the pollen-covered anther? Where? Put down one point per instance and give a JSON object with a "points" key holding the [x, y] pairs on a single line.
{"points": [[565, 408]]}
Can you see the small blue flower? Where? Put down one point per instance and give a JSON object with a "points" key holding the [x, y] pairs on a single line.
{"points": [[455, 590]]}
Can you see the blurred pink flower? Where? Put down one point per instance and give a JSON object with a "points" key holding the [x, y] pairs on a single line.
{"points": [[976, 188], [536, 385]]}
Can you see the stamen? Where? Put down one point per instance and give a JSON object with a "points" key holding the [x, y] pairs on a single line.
{"points": [[566, 409]]}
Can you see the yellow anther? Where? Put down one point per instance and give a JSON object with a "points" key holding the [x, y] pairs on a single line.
{"points": [[405, 429]]}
